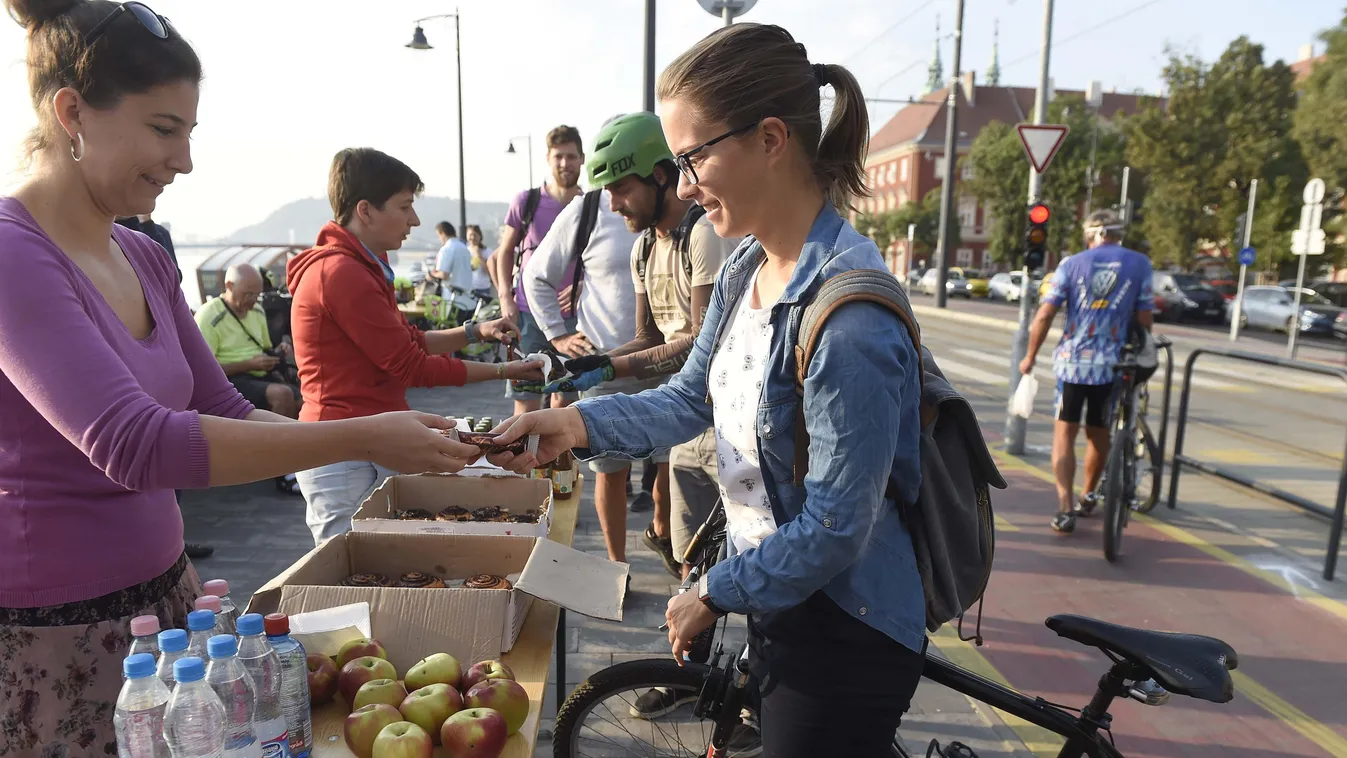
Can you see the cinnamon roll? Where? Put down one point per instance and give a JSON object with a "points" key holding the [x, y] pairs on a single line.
{"points": [[489, 513], [454, 513], [527, 517], [414, 514], [487, 582], [367, 579], [417, 579]]}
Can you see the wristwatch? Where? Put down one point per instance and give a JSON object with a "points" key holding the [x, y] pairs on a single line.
{"points": [[704, 595]]}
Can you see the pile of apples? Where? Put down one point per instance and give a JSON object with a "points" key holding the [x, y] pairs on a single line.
{"points": [[471, 713]]}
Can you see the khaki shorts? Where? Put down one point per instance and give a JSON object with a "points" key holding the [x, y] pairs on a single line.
{"points": [[694, 487]]}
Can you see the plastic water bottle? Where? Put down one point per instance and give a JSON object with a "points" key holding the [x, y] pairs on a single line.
{"points": [[139, 717], [264, 666], [194, 722], [220, 589], [172, 648], [223, 624], [200, 628], [234, 687], [294, 684], [143, 637]]}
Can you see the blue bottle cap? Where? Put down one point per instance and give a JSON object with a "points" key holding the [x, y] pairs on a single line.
{"points": [[138, 666], [201, 621], [190, 669], [222, 646], [250, 623], [172, 641]]}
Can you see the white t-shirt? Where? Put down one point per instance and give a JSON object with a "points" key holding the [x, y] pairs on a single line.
{"points": [[481, 279], [737, 373], [456, 260]]}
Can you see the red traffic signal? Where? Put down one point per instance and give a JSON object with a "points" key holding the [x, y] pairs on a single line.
{"points": [[1039, 214]]}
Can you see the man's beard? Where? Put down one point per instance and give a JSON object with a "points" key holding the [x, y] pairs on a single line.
{"points": [[565, 180]]}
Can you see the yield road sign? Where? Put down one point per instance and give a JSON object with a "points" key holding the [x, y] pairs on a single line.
{"points": [[1246, 256], [1041, 142]]}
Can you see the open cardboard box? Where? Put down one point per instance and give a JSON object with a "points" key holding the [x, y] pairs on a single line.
{"points": [[435, 492], [470, 624]]}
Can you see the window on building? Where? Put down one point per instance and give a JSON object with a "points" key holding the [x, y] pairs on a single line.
{"points": [[966, 170], [902, 169], [893, 173], [964, 256], [902, 196], [968, 208], [940, 168]]}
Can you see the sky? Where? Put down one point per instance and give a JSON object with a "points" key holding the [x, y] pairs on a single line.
{"points": [[290, 82]]}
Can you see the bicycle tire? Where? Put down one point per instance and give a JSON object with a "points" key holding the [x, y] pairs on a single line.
{"points": [[1115, 489], [1156, 458], [622, 677]]}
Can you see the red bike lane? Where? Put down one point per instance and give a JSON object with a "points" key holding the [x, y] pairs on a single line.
{"points": [[1292, 657]]}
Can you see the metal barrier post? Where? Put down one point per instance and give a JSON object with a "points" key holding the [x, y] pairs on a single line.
{"points": [[1335, 533], [1182, 428], [1164, 401]]}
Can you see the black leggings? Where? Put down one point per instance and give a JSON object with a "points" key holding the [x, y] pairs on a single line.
{"points": [[830, 684]]}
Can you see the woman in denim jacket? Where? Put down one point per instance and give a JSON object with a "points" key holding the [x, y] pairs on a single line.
{"points": [[825, 571]]}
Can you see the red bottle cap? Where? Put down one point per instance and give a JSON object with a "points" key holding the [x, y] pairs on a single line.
{"points": [[276, 624]]}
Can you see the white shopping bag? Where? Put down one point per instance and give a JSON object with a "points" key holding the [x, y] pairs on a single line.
{"points": [[1022, 404]]}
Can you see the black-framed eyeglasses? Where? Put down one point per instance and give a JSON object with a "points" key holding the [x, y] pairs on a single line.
{"points": [[684, 160], [153, 22]]}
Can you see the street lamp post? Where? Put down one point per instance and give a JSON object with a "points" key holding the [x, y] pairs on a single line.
{"points": [[528, 157], [419, 42]]}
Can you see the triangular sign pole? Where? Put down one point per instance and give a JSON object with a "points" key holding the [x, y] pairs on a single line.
{"points": [[1041, 142]]}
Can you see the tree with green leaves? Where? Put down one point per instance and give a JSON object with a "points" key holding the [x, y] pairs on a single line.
{"points": [[1321, 129], [888, 227]]}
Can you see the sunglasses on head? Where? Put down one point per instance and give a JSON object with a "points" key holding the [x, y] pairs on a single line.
{"points": [[152, 22]]}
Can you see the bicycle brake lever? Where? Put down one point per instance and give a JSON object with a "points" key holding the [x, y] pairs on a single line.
{"points": [[693, 576]]}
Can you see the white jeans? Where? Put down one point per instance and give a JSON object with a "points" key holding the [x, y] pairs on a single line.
{"points": [[334, 493]]}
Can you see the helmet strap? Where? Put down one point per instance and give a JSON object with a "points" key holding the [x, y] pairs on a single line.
{"points": [[660, 189]]}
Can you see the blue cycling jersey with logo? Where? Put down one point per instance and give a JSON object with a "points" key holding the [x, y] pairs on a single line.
{"points": [[1100, 289]]}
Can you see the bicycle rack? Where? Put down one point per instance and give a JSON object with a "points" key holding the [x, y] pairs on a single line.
{"points": [[1335, 514], [1163, 343]]}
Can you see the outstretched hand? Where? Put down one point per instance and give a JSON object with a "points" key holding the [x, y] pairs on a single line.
{"points": [[558, 430]]}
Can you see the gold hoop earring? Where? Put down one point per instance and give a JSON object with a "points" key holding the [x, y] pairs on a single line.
{"points": [[80, 138]]}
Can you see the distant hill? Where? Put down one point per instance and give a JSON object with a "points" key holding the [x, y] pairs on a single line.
{"points": [[305, 217]]}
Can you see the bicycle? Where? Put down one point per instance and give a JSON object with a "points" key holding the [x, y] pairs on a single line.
{"points": [[1146, 666]]}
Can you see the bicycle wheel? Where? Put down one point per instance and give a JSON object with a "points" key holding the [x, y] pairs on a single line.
{"points": [[1116, 500], [596, 720], [1147, 460]]}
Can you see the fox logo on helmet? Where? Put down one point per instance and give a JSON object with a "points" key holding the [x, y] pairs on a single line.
{"points": [[624, 163]]}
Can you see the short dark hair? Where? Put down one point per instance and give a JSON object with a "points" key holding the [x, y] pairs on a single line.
{"points": [[446, 228], [363, 173], [565, 135], [124, 60]]}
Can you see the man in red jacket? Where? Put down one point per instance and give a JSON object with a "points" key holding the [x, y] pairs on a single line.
{"points": [[357, 354]]}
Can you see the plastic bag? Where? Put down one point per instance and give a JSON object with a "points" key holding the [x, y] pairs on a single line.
{"points": [[1022, 404]]}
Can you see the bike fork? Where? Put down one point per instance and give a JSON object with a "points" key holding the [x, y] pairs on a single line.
{"points": [[730, 709]]}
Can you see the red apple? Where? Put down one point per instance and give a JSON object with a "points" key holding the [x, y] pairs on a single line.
{"points": [[503, 695], [322, 678], [359, 649], [480, 672], [403, 739], [440, 668], [363, 726], [361, 670], [474, 733], [387, 691], [430, 706]]}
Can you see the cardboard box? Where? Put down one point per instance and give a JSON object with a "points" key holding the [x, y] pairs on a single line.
{"points": [[435, 492], [470, 624]]}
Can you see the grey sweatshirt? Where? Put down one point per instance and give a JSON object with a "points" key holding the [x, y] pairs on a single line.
{"points": [[607, 307]]}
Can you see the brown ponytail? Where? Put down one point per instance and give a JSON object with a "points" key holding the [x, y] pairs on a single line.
{"points": [[748, 72]]}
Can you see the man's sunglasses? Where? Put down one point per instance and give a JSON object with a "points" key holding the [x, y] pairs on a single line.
{"points": [[684, 160], [153, 22]]}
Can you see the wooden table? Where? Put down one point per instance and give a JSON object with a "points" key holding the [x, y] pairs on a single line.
{"points": [[412, 310], [530, 659]]}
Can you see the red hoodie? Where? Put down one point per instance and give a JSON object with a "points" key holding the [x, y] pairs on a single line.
{"points": [[357, 354]]}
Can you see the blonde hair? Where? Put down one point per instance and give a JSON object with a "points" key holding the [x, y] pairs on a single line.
{"points": [[748, 72]]}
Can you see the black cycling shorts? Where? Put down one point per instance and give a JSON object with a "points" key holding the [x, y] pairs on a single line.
{"points": [[1093, 399]]}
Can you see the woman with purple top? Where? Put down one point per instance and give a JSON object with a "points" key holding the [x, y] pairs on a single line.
{"points": [[109, 397]]}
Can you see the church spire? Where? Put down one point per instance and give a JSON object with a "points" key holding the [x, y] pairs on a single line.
{"points": [[935, 78], [994, 71]]}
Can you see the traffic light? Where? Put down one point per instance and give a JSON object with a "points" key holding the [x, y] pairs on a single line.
{"points": [[1036, 238]]}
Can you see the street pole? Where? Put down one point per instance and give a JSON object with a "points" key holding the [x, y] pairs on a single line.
{"points": [[727, 14], [1293, 329], [1016, 425], [1089, 176], [649, 56], [462, 166], [1243, 269], [951, 158], [1126, 208]]}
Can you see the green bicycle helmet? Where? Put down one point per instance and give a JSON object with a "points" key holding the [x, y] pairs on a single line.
{"points": [[628, 145]]}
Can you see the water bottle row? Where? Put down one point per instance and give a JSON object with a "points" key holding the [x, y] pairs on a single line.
{"points": [[250, 701]]}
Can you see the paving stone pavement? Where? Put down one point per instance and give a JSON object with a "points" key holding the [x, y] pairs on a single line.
{"points": [[257, 532]]}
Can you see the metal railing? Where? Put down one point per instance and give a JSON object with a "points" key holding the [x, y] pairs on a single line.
{"points": [[1163, 343], [1335, 514]]}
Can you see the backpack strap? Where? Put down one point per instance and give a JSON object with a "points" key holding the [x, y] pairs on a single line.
{"points": [[589, 217], [859, 285], [530, 210], [682, 235], [643, 254]]}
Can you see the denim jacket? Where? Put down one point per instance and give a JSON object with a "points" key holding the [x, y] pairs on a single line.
{"points": [[837, 532]]}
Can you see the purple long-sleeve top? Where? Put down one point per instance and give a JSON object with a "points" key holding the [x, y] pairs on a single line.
{"points": [[97, 428]]}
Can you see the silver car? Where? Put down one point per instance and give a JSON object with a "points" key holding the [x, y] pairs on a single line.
{"points": [[1005, 286], [1274, 308], [955, 284]]}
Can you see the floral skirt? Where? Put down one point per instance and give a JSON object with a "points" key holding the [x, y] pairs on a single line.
{"points": [[61, 666]]}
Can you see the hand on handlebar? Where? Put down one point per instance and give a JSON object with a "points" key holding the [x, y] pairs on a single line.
{"points": [[687, 616]]}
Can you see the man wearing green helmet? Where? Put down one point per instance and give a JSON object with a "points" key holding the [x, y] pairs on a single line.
{"points": [[674, 265]]}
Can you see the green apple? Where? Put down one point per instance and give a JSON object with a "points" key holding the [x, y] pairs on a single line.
{"points": [[440, 668], [355, 673], [485, 670], [386, 691], [503, 695], [474, 733], [403, 739], [363, 726], [430, 706]]}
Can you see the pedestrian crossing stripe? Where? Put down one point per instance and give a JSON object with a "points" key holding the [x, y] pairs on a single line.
{"points": [[1044, 374]]}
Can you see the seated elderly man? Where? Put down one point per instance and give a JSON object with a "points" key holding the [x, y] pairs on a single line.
{"points": [[235, 328]]}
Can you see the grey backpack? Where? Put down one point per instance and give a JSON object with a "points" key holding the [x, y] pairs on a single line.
{"points": [[951, 521]]}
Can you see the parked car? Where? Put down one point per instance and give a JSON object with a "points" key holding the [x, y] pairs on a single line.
{"points": [[1335, 292], [1169, 298], [1227, 287], [1006, 286], [914, 279], [1200, 300], [955, 283], [1274, 308], [977, 282]]}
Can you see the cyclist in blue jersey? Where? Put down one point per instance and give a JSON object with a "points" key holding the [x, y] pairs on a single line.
{"points": [[1103, 290]]}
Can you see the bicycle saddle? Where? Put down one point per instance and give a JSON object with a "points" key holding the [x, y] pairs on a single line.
{"points": [[1185, 664]]}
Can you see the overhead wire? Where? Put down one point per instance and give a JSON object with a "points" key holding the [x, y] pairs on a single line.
{"points": [[1072, 37]]}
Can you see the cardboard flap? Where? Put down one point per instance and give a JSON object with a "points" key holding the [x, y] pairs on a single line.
{"points": [[576, 581]]}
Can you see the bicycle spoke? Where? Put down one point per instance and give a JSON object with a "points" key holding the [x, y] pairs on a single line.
{"points": [[672, 740]]}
